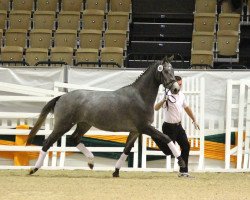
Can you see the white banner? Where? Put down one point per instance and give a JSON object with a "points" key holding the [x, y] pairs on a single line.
{"points": [[215, 82]]}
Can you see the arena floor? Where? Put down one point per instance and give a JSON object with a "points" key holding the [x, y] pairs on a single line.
{"points": [[81, 185]]}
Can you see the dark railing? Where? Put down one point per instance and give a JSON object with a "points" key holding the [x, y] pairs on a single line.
{"points": [[201, 66], [13, 63], [99, 64], [49, 63], [152, 57]]}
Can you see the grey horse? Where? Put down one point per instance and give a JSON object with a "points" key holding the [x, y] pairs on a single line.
{"points": [[128, 109]]}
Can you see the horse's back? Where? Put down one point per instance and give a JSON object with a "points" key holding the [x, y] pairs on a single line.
{"points": [[107, 110]]}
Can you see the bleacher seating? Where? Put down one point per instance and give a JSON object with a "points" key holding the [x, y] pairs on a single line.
{"points": [[3, 18], [63, 31], [87, 56], [36, 55], [90, 38], [44, 20], [202, 49], [96, 5], [47, 5], [40, 38], [1, 36], [92, 29], [23, 5]]}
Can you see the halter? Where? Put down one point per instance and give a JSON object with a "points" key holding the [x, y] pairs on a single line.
{"points": [[174, 99], [160, 69]]}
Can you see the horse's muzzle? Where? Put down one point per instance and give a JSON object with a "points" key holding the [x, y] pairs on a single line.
{"points": [[175, 88]]}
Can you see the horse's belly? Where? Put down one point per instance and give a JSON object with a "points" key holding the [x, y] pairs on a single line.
{"points": [[112, 124]]}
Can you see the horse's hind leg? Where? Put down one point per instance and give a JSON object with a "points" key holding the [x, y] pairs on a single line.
{"points": [[129, 144], [163, 140], [53, 137], [81, 129]]}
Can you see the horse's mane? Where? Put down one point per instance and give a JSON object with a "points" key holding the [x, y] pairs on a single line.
{"points": [[144, 73]]}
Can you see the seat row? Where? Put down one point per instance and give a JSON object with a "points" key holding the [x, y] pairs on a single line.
{"points": [[225, 6], [42, 38], [109, 56], [66, 5], [215, 37], [90, 19]]}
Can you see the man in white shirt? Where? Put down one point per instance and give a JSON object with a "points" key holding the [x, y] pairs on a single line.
{"points": [[173, 105]]}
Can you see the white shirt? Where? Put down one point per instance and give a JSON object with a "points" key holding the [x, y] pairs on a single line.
{"points": [[173, 112]]}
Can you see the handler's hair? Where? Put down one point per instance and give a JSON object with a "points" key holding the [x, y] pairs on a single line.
{"points": [[178, 78]]}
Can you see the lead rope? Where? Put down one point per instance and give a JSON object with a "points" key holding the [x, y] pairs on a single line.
{"points": [[172, 100]]}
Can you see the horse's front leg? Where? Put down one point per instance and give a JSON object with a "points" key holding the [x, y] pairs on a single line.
{"points": [[163, 141], [129, 144]]}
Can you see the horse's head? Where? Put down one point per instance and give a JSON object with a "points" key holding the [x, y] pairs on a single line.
{"points": [[165, 75]]}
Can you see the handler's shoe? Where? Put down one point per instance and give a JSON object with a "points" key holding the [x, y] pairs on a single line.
{"points": [[185, 175]]}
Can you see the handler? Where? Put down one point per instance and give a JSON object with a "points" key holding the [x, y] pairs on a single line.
{"points": [[173, 108]]}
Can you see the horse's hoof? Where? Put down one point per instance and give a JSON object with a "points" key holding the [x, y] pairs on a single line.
{"points": [[32, 171], [116, 173], [181, 162], [91, 165]]}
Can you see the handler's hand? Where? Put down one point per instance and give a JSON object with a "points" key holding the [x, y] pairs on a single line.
{"points": [[196, 126], [165, 98]]}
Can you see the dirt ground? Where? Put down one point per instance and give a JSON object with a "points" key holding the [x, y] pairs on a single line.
{"points": [[81, 185]]}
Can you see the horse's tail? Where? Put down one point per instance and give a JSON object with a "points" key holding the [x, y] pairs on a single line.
{"points": [[49, 107]]}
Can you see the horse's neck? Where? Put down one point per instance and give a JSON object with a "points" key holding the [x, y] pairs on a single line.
{"points": [[147, 87]]}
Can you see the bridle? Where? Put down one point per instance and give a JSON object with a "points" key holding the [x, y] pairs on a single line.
{"points": [[170, 84], [173, 100]]}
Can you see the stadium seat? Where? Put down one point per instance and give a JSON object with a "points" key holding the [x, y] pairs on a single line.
{"points": [[96, 5], [5, 5], [16, 37], [23, 5], [87, 55], [204, 22], [62, 54], [11, 53], [206, 6], [203, 41], [120, 5], [3, 19], [65, 38], [19, 19], [118, 21], [69, 20], [229, 21], [115, 38], [89, 38], [40, 38], [226, 6], [227, 42], [93, 19], [112, 55], [248, 11], [47, 5], [202, 59], [35, 55], [69, 5], [1, 37], [44, 20]]}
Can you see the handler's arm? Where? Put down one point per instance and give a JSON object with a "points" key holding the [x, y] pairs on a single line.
{"points": [[191, 115], [160, 104]]}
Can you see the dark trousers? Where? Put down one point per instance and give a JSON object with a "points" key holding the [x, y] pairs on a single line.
{"points": [[178, 134]]}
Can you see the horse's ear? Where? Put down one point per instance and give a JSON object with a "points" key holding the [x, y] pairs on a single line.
{"points": [[168, 59], [171, 58], [165, 59]]}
